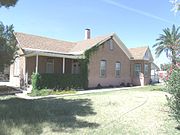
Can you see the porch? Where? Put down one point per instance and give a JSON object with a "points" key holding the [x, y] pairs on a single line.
{"points": [[50, 65], [140, 72]]}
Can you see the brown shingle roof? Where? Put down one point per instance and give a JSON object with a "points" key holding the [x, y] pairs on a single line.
{"points": [[43, 43], [28, 41], [138, 53], [84, 45]]}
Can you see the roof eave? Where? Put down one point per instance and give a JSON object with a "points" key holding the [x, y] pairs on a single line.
{"points": [[30, 53]]}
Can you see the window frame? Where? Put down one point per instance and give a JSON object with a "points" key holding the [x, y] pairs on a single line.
{"points": [[139, 71], [48, 62], [117, 69], [75, 70], [111, 46], [146, 72], [103, 70]]}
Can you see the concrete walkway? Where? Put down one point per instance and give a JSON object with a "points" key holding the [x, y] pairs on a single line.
{"points": [[5, 84], [83, 92]]}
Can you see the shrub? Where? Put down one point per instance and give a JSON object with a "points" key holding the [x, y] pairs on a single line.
{"points": [[35, 79], [129, 85], [57, 81], [98, 86], [173, 87], [122, 84], [110, 86]]}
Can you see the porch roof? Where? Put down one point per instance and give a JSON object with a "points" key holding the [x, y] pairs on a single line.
{"points": [[31, 52], [141, 53]]}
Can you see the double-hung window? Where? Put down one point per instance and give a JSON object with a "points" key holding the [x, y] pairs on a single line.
{"points": [[103, 65], [137, 69], [111, 47], [117, 69], [75, 68], [146, 70], [50, 66]]}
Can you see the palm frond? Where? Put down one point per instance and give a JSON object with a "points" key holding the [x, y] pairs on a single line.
{"points": [[169, 41]]}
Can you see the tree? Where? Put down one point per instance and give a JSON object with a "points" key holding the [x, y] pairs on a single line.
{"points": [[176, 5], [8, 47], [173, 87], [165, 67], [7, 39], [169, 42], [8, 3]]}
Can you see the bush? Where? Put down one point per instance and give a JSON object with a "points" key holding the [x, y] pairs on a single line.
{"points": [[99, 86], [35, 79], [122, 84], [173, 87], [57, 81]]}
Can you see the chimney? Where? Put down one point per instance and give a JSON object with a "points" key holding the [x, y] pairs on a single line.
{"points": [[87, 34]]}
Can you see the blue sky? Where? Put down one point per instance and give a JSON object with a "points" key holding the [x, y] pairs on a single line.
{"points": [[136, 22]]}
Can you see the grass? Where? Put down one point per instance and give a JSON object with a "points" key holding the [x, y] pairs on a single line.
{"points": [[140, 111], [46, 92]]}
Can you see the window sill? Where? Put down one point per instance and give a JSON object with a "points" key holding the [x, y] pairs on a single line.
{"points": [[102, 77]]}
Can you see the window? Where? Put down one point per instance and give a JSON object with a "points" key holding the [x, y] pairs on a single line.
{"points": [[111, 47], [146, 56], [117, 69], [137, 69], [146, 70], [103, 68], [50, 66], [75, 68], [16, 67]]}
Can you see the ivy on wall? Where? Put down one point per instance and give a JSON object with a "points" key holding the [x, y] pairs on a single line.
{"points": [[64, 81], [84, 64]]}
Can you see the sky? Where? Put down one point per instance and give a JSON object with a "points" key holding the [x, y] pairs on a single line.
{"points": [[137, 22]]}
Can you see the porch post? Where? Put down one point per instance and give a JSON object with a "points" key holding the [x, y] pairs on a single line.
{"points": [[25, 79], [63, 65], [37, 63]]}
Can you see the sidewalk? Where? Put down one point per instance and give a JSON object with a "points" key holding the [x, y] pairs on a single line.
{"points": [[25, 96]]}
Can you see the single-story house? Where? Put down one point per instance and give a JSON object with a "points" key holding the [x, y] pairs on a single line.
{"points": [[111, 64]]}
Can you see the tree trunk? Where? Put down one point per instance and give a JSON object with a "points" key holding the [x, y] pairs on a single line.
{"points": [[173, 59]]}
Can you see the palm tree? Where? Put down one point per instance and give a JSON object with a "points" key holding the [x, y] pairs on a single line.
{"points": [[169, 42]]}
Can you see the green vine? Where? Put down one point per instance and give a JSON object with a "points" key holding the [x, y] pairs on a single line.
{"points": [[84, 64]]}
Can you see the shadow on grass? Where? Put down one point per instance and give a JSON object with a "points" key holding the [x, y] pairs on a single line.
{"points": [[29, 115]]}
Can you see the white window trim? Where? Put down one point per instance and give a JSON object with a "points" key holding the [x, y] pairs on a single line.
{"points": [[146, 75], [116, 69], [105, 69], [111, 46], [139, 71]]}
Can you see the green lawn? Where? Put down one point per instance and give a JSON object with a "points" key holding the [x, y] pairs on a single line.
{"points": [[139, 111]]}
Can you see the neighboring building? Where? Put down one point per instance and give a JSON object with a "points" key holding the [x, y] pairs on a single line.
{"points": [[111, 64]]}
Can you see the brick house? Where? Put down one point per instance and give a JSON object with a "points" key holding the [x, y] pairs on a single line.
{"points": [[111, 64]]}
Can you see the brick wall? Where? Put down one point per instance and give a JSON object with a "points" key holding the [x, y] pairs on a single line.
{"points": [[111, 56]]}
